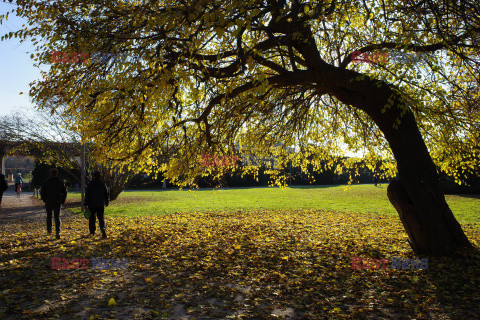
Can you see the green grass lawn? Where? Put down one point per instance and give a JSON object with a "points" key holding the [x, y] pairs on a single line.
{"points": [[365, 199]]}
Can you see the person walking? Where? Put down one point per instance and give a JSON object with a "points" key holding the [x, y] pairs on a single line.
{"points": [[3, 187], [96, 199], [18, 183], [53, 193]]}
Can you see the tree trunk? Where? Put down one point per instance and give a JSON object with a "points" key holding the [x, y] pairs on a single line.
{"points": [[116, 179], [2, 158], [417, 196]]}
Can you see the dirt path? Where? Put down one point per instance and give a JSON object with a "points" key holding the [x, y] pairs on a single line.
{"points": [[25, 208]]}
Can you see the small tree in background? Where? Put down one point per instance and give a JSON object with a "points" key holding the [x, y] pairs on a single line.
{"points": [[116, 178], [46, 136]]}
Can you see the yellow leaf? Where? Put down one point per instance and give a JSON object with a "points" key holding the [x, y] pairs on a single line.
{"points": [[111, 302]]}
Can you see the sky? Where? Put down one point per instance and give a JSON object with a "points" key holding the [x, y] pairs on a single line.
{"points": [[16, 67]]}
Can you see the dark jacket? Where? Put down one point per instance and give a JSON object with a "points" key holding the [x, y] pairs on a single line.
{"points": [[3, 185], [96, 194], [53, 191]]}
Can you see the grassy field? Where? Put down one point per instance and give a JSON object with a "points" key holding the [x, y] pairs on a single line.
{"points": [[257, 254], [348, 199], [252, 264]]}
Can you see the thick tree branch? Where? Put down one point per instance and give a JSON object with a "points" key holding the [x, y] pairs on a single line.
{"points": [[394, 45]]}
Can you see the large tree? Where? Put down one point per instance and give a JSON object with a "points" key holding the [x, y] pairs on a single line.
{"points": [[216, 76]]}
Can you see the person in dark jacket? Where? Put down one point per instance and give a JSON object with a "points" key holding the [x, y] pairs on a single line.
{"points": [[3, 187], [96, 198], [53, 194]]}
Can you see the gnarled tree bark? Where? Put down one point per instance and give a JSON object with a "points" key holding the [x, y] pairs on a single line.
{"points": [[417, 195]]}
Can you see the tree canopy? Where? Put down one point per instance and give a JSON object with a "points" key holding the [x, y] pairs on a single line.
{"points": [[211, 76]]}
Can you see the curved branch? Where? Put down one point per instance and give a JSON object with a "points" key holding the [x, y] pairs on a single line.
{"points": [[393, 45]]}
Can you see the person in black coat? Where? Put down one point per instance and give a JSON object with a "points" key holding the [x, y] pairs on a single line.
{"points": [[96, 199], [53, 194], [3, 187]]}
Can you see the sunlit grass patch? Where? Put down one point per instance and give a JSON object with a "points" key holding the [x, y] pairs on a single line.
{"points": [[363, 199]]}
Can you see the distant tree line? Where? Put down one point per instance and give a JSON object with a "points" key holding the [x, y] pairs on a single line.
{"points": [[295, 177]]}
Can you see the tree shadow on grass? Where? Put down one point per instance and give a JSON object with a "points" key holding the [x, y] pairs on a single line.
{"points": [[34, 290], [457, 283]]}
